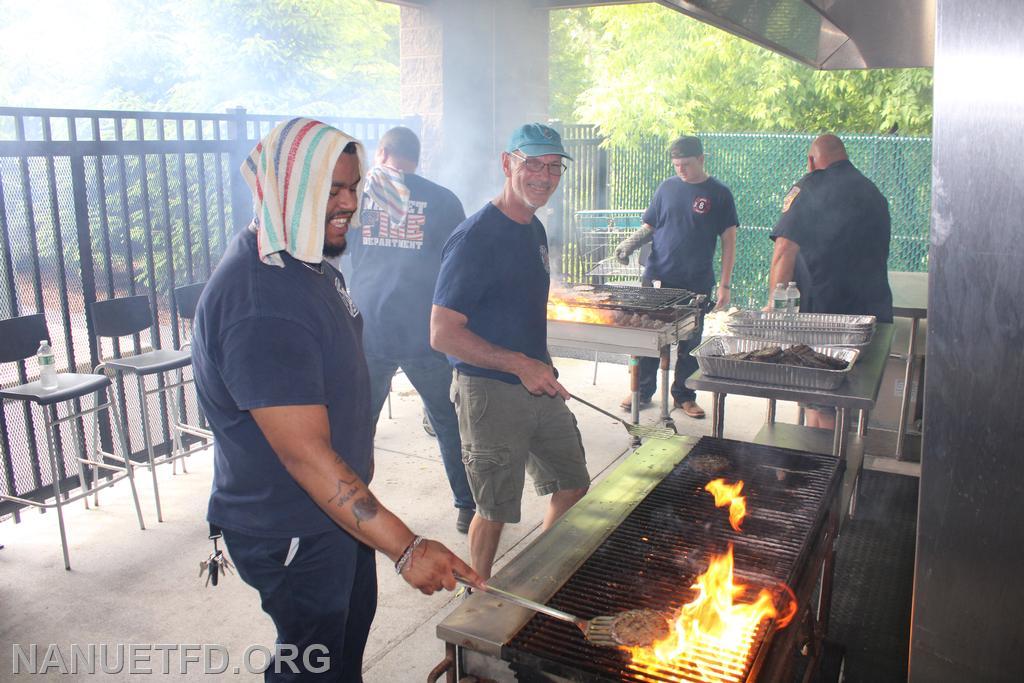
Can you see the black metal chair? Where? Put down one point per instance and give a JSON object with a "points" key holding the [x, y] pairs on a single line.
{"points": [[186, 298], [116, 318], [19, 338]]}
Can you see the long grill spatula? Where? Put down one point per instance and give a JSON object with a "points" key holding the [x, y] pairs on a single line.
{"points": [[640, 431], [600, 631]]}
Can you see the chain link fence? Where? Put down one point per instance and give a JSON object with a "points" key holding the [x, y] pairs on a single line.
{"points": [[605, 195]]}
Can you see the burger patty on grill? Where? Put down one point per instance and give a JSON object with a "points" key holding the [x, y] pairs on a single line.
{"points": [[640, 627]]}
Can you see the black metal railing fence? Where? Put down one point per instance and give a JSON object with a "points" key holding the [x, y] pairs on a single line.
{"points": [[102, 204]]}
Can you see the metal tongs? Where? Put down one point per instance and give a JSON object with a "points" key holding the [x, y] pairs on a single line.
{"points": [[599, 630], [639, 431]]}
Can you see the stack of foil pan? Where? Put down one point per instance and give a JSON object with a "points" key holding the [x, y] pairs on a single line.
{"points": [[813, 329], [710, 358]]}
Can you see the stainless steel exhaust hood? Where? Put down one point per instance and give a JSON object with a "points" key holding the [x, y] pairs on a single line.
{"points": [[824, 34]]}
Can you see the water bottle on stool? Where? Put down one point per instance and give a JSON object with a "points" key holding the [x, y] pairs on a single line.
{"points": [[47, 366]]}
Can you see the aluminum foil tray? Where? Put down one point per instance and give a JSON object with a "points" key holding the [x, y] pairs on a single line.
{"points": [[813, 329], [710, 354]]}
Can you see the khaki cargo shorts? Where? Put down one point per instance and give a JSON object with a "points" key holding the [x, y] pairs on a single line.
{"points": [[506, 432]]}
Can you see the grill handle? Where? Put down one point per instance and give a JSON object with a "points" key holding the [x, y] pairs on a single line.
{"points": [[524, 602]]}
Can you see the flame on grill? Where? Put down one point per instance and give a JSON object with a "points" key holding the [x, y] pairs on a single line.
{"points": [[729, 494], [712, 635], [561, 308]]}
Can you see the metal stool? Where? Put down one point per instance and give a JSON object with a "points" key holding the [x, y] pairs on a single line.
{"points": [[19, 338], [117, 318], [186, 298]]}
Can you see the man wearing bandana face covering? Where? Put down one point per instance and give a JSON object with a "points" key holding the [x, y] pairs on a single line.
{"points": [[281, 376], [396, 255]]}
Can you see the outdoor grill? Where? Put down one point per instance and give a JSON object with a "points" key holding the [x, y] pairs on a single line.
{"points": [[626, 300], [630, 298], [639, 540], [636, 321]]}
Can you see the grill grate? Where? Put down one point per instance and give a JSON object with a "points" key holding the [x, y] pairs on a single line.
{"points": [[643, 299], [653, 556]]}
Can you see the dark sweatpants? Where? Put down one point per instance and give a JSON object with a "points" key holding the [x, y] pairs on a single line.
{"points": [[685, 366], [325, 595]]}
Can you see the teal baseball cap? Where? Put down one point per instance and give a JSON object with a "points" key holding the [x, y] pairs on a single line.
{"points": [[536, 139]]}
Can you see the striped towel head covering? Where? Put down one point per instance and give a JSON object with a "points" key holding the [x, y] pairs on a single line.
{"points": [[386, 187], [289, 173]]}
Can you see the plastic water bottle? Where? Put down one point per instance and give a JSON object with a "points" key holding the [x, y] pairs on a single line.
{"points": [[47, 366], [780, 300], [793, 298]]}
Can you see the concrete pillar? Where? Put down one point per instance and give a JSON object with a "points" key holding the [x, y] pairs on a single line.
{"points": [[473, 70]]}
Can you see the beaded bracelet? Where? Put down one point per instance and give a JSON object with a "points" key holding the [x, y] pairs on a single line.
{"points": [[402, 561]]}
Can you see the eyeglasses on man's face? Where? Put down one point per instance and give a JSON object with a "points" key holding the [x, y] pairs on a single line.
{"points": [[535, 165]]}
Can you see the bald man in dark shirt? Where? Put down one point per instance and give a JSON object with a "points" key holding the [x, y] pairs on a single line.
{"points": [[833, 240]]}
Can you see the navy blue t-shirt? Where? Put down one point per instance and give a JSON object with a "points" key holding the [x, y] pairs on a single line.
{"points": [[495, 272], [266, 336], [687, 219], [841, 223], [394, 268]]}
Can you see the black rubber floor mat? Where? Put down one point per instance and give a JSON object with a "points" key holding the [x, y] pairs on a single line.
{"points": [[874, 575]]}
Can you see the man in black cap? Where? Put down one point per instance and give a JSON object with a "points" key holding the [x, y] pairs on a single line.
{"points": [[690, 212], [833, 239], [490, 317]]}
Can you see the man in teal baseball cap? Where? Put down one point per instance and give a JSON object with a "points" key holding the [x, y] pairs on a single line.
{"points": [[536, 139], [489, 316]]}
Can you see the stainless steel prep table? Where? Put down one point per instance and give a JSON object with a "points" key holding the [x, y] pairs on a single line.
{"points": [[909, 300], [858, 392]]}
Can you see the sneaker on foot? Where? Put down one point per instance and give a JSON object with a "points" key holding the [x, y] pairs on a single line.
{"points": [[465, 517]]}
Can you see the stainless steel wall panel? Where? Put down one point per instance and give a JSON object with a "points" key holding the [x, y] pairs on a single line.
{"points": [[968, 602]]}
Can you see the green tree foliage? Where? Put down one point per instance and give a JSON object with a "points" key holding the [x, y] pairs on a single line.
{"points": [[323, 57], [645, 69]]}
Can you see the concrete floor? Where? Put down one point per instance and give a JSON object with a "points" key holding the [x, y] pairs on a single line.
{"points": [[128, 586]]}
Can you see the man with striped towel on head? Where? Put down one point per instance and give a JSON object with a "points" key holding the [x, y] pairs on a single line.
{"points": [[280, 373]]}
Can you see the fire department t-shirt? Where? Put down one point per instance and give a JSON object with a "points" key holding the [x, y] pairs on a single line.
{"points": [[687, 219], [495, 272], [394, 268], [266, 336]]}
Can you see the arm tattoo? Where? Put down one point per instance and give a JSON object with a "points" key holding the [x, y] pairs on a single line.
{"points": [[365, 509], [340, 498]]}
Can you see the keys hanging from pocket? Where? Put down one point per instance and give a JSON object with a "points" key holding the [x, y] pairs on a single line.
{"points": [[216, 565]]}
